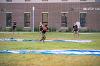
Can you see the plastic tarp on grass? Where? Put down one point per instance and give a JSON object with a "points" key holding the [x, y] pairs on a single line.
{"points": [[60, 52], [23, 40]]}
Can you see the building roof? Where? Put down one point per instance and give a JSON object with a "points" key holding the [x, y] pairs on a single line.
{"points": [[45, 1]]}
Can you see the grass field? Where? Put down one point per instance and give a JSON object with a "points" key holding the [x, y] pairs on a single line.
{"points": [[49, 60]]}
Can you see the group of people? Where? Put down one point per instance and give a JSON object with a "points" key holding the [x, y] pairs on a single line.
{"points": [[44, 29]]}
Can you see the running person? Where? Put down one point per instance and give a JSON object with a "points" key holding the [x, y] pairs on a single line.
{"points": [[44, 30], [76, 30]]}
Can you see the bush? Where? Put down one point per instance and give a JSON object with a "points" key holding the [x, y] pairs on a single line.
{"points": [[36, 29], [52, 29], [19, 29]]}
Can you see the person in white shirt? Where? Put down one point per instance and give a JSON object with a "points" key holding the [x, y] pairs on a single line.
{"points": [[78, 24], [76, 28]]}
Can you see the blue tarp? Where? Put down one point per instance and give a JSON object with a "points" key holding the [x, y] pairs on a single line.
{"points": [[25, 40], [58, 52]]}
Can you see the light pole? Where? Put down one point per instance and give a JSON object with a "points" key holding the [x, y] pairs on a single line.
{"points": [[33, 19], [2, 24], [2, 13]]}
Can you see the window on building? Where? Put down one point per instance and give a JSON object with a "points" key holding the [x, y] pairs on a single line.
{"points": [[44, 0], [83, 19], [26, 19], [83, 0], [63, 19], [64, 0], [9, 0], [27, 0], [8, 19], [45, 18]]}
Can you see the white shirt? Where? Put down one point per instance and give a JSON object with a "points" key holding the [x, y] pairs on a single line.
{"points": [[78, 24]]}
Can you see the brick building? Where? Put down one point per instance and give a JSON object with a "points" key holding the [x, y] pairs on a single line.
{"points": [[58, 14]]}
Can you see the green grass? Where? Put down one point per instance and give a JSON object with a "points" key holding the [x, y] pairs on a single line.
{"points": [[50, 45], [49, 60]]}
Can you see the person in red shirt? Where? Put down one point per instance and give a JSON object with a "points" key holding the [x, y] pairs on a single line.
{"points": [[44, 30]]}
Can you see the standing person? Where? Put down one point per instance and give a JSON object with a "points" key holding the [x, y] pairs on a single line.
{"points": [[75, 30], [14, 26], [44, 30]]}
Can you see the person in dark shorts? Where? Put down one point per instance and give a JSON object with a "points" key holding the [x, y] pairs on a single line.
{"points": [[44, 30], [14, 26], [76, 30]]}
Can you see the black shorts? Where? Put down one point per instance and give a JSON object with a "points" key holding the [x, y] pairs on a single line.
{"points": [[75, 31], [13, 28]]}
